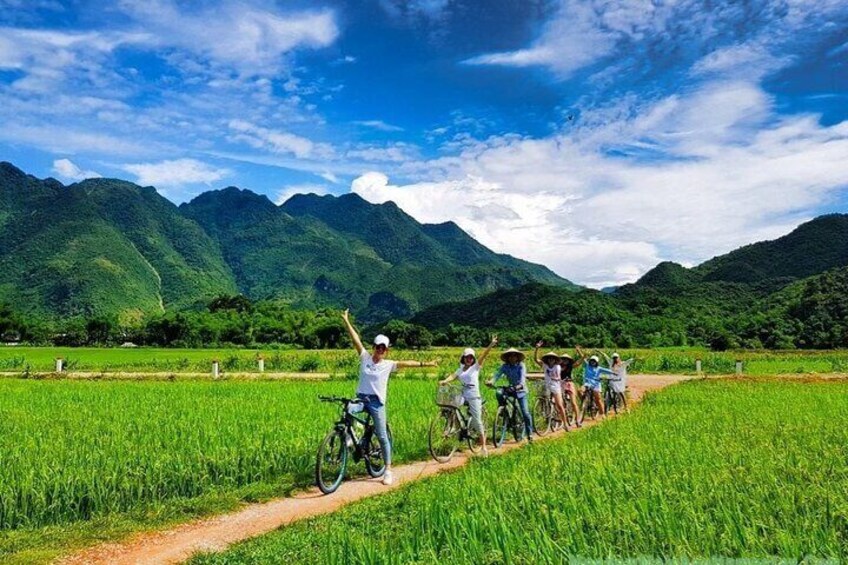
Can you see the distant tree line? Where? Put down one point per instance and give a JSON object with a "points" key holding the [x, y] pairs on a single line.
{"points": [[810, 315]]}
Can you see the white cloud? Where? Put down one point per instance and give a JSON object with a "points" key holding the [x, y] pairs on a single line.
{"points": [[329, 177], [251, 37], [378, 125], [684, 178], [279, 142], [68, 170], [175, 173], [287, 192], [394, 153]]}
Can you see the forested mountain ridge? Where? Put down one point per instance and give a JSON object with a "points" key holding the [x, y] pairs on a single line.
{"points": [[789, 292], [106, 247]]}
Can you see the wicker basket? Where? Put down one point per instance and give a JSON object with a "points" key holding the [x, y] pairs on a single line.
{"points": [[448, 395]]}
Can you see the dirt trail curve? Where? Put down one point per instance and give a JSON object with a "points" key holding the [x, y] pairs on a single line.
{"points": [[217, 533]]}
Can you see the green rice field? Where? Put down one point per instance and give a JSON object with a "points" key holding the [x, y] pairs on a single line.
{"points": [[702, 470], [24, 361], [79, 452]]}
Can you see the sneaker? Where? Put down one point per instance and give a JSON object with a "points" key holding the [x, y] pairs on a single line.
{"points": [[529, 439], [388, 477]]}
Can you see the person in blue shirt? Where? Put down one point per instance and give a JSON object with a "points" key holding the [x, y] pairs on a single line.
{"points": [[515, 372], [592, 372]]}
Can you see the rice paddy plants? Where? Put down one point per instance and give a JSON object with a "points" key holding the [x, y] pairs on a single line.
{"points": [[73, 451], [737, 468]]}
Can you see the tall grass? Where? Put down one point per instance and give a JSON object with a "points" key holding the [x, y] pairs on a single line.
{"points": [[702, 470], [72, 451]]}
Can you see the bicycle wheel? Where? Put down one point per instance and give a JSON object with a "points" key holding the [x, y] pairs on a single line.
{"points": [[474, 435], [331, 463], [588, 408], [542, 415], [503, 421], [517, 423], [569, 412], [443, 438], [619, 402], [375, 463]]}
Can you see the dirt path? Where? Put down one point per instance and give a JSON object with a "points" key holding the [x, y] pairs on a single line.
{"points": [[217, 533]]}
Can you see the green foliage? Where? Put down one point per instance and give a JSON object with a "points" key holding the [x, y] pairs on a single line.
{"points": [[704, 470], [81, 450]]}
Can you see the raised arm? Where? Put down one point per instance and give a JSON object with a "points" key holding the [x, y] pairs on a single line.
{"points": [[629, 362], [606, 357], [488, 350], [351, 331], [580, 357], [536, 353]]}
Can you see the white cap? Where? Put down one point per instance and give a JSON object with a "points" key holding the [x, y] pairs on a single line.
{"points": [[381, 340], [468, 351], [594, 358], [614, 355]]}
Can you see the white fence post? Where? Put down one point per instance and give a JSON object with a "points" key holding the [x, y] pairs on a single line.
{"points": [[60, 364], [261, 364], [738, 366], [215, 369], [698, 366]]}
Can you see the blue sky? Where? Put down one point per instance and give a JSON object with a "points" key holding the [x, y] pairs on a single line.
{"points": [[596, 137]]}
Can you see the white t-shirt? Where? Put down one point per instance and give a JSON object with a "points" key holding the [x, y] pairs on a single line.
{"points": [[374, 377], [470, 379], [553, 374]]}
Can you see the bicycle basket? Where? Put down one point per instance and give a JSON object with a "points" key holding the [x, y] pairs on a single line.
{"points": [[449, 396]]}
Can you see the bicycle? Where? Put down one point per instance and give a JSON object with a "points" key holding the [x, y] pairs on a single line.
{"points": [[588, 406], [342, 443], [508, 417], [450, 427], [613, 400], [546, 417]]}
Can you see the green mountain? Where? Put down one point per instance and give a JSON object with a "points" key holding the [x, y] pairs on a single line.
{"points": [[106, 247], [100, 247], [326, 250], [813, 247], [742, 298]]}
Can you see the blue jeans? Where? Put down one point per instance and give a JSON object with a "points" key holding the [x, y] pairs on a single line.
{"points": [[377, 410], [525, 410]]}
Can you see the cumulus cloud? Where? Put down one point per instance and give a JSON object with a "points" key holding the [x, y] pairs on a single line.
{"points": [[685, 178], [175, 173], [68, 170], [250, 37]]}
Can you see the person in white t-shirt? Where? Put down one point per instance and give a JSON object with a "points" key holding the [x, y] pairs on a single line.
{"points": [[553, 380], [468, 374], [374, 371]]}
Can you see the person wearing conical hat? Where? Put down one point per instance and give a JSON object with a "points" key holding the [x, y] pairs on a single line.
{"points": [[514, 371], [567, 365], [553, 380], [469, 375], [592, 372]]}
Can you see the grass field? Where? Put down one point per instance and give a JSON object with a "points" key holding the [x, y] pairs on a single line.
{"points": [[27, 360], [75, 457], [705, 469]]}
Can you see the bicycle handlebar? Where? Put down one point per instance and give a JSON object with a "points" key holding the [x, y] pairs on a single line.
{"points": [[336, 399]]}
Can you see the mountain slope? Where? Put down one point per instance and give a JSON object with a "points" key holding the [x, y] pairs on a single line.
{"points": [[100, 247], [813, 247], [318, 250]]}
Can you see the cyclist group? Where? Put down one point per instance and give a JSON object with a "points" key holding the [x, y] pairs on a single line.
{"points": [[375, 368]]}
